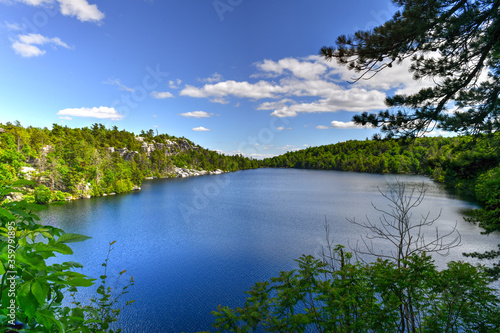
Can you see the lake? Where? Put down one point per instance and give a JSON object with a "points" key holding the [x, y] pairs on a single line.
{"points": [[194, 243]]}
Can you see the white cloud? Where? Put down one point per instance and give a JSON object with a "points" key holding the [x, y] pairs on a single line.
{"points": [[292, 86], [29, 2], [201, 129], [102, 112], [83, 11], [216, 77], [13, 26], [281, 128], [27, 45], [244, 89], [197, 114], [348, 124], [174, 84], [40, 40], [321, 127], [300, 69], [120, 85], [161, 94], [219, 100], [27, 51], [397, 77], [356, 100]]}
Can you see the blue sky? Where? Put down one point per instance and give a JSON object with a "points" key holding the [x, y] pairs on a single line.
{"points": [[239, 76]]}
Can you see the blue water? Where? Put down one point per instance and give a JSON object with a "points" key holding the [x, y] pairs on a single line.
{"points": [[192, 244]]}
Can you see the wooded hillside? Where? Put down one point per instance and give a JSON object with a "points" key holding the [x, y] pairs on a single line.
{"points": [[98, 160]]}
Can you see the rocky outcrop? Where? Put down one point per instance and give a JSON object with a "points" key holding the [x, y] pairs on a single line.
{"points": [[183, 172], [125, 153], [168, 147], [27, 172]]}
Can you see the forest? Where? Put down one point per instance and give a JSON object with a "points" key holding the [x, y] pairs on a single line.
{"points": [[93, 161]]}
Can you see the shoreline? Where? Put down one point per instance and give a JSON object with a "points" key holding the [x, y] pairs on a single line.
{"points": [[178, 173]]}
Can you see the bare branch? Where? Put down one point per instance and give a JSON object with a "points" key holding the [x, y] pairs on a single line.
{"points": [[397, 227]]}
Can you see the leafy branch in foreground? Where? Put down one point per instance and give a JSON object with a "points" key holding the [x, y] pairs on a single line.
{"points": [[356, 297], [31, 290]]}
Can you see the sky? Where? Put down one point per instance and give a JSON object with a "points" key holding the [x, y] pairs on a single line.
{"points": [[236, 76]]}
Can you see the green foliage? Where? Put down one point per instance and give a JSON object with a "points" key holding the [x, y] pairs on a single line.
{"points": [[36, 288], [43, 195], [488, 193], [450, 42], [354, 297], [31, 290], [104, 310]]}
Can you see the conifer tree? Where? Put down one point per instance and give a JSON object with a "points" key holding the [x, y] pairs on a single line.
{"points": [[451, 42]]}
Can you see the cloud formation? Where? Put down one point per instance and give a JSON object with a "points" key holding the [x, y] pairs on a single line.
{"points": [[216, 77], [201, 129], [101, 112], [348, 124], [291, 86], [121, 86], [81, 9], [28, 45], [161, 94], [174, 84], [197, 114]]}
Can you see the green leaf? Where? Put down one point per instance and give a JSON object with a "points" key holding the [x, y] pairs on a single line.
{"points": [[24, 289], [38, 291], [77, 312], [79, 282], [72, 264], [7, 214], [22, 183], [54, 247], [72, 238], [27, 301]]}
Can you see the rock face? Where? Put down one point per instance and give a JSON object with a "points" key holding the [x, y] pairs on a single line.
{"points": [[168, 147], [183, 172], [27, 172], [124, 153]]}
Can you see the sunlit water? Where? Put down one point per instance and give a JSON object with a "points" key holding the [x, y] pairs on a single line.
{"points": [[194, 243]]}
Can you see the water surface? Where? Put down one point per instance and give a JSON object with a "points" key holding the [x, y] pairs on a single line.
{"points": [[195, 243]]}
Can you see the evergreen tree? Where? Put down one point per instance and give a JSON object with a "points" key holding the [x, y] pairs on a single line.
{"points": [[451, 42]]}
